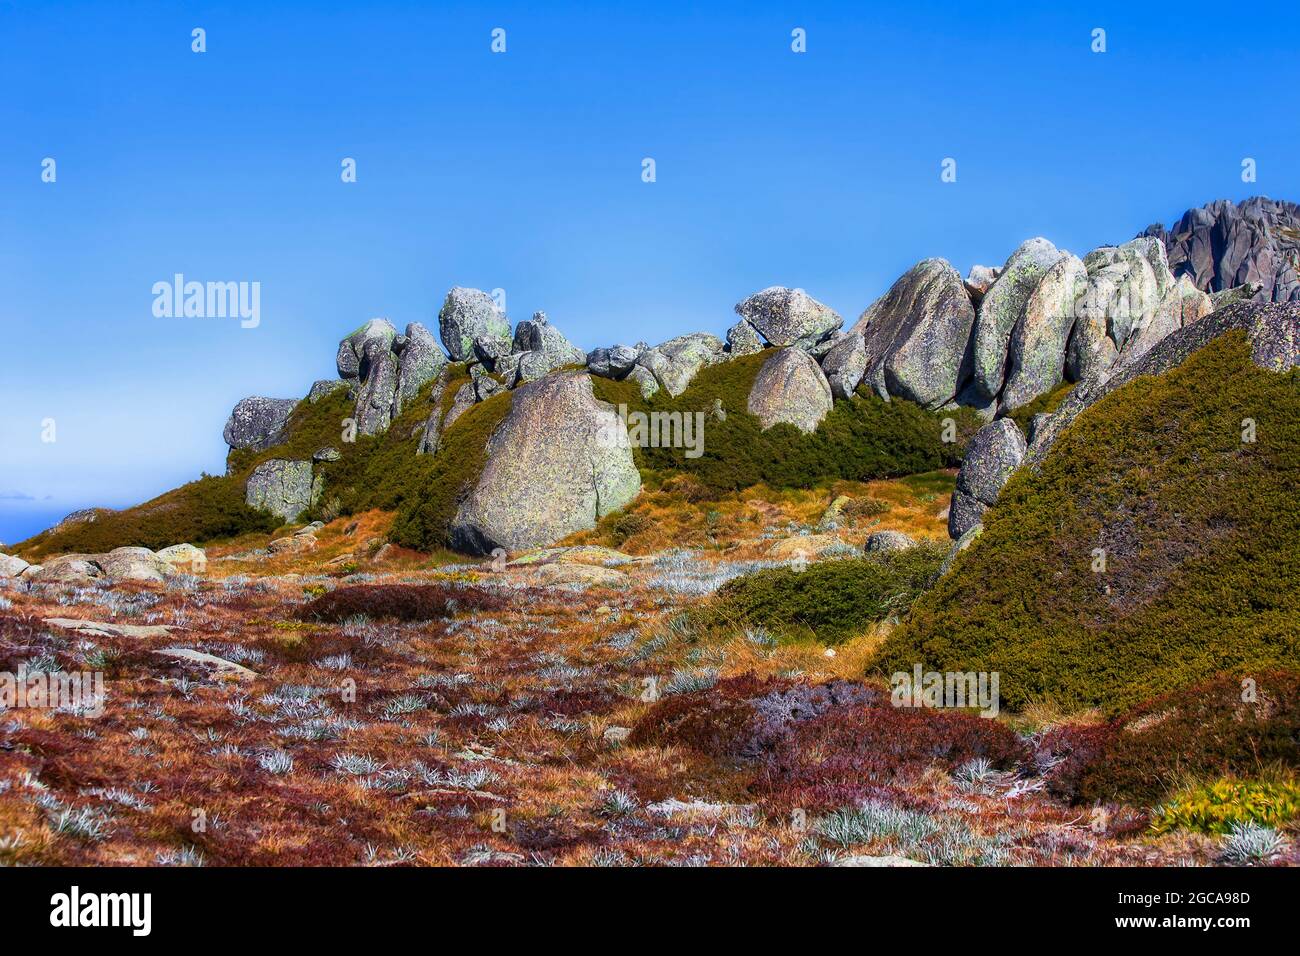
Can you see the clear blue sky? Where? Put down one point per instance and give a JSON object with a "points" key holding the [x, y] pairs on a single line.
{"points": [[523, 171]]}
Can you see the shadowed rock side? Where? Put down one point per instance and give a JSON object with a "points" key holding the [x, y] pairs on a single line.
{"points": [[558, 463]]}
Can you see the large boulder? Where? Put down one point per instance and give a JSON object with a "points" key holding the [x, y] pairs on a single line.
{"points": [[133, 564], [325, 387], [790, 388], [615, 362], [845, 364], [420, 362], [558, 463], [11, 567], [374, 409], [993, 454], [352, 349], [67, 569], [789, 317], [915, 335], [677, 361], [1273, 331], [471, 327], [258, 423], [1001, 310], [1036, 354], [282, 487]]}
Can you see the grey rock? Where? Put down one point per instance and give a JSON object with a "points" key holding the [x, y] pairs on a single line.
{"points": [[963, 542], [537, 335], [677, 361], [1036, 353], [789, 317], [615, 362], [11, 566], [258, 423], [374, 409], [559, 462], [1002, 308], [790, 388], [328, 453], [915, 336], [352, 349], [965, 512], [1036, 422], [461, 402], [1226, 297], [326, 387], [645, 380], [1273, 331], [420, 362], [743, 339], [282, 487], [471, 327], [133, 564], [68, 569], [993, 454], [845, 364], [888, 541], [431, 438]]}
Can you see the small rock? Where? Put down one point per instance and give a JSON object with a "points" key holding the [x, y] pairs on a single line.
{"points": [[616, 735], [888, 541]]}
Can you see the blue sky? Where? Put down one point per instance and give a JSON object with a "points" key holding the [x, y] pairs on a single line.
{"points": [[522, 171]]}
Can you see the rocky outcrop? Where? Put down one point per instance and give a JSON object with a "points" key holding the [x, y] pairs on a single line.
{"points": [[677, 361], [420, 362], [615, 362], [471, 327], [1223, 245], [352, 350], [11, 567], [999, 313], [915, 335], [558, 463], [1036, 353], [258, 423], [374, 410], [790, 388], [1273, 331], [282, 487], [789, 317], [537, 335], [993, 454]]}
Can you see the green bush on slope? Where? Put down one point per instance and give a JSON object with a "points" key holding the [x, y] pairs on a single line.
{"points": [[861, 439], [830, 601], [1201, 539]]}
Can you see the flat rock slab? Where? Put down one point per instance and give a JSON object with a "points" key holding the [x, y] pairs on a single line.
{"points": [[672, 807], [878, 861], [218, 665], [108, 629]]}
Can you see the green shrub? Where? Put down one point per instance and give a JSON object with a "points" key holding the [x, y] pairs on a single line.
{"points": [[1045, 404], [829, 601], [1201, 535], [861, 439], [1218, 806]]}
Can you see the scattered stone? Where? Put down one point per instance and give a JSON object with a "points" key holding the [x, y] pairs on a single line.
{"points": [[110, 629], [218, 666], [888, 541], [328, 453], [616, 736]]}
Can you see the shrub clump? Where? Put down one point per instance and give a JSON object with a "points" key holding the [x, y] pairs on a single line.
{"points": [[858, 753], [1227, 804], [831, 601], [403, 602], [1199, 531]]}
